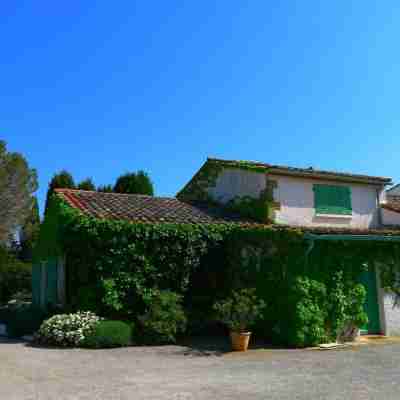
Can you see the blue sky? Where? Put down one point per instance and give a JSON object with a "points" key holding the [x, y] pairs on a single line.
{"points": [[101, 88]]}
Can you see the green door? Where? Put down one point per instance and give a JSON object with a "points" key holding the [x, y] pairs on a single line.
{"points": [[368, 279]]}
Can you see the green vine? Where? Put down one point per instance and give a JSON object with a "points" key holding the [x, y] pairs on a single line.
{"points": [[197, 188], [126, 263], [259, 209]]}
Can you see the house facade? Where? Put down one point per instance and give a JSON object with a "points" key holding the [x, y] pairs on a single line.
{"points": [[299, 197], [315, 199], [323, 205]]}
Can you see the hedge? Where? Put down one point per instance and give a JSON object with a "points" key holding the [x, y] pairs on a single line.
{"points": [[115, 267]]}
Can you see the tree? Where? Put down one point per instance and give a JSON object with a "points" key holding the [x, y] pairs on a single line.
{"points": [[18, 182], [61, 180], [105, 188], [29, 233], [138, 183], [86, 184]]}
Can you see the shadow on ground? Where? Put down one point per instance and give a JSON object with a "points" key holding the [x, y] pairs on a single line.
{"points": [[212, 346]]}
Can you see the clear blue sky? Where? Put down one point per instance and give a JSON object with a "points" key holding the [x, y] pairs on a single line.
{"points": [[101, 88]]}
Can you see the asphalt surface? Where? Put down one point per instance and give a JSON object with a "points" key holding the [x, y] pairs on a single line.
{"points": [[184, 373]]}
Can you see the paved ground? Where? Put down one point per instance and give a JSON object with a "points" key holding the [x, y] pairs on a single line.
{"points": [[180, 373]]}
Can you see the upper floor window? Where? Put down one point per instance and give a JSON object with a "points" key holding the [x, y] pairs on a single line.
{"points": [[332, 200]]}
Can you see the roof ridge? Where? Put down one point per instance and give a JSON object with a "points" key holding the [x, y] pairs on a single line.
{"points": [[307, 170], [66, 190]]}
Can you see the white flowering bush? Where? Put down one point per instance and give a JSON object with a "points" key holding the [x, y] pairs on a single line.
{"points": [[67, 330]]}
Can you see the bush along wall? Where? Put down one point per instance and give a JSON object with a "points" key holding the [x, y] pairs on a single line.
{"points": [[310, 299], [116, 268]]}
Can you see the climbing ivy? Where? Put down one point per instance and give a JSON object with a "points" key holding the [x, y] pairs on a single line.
{"points": [[197, 188], [308, 297], [259, 209]]}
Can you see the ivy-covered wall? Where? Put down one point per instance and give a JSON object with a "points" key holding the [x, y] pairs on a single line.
{"points": [[241, 187], [114, 266]]}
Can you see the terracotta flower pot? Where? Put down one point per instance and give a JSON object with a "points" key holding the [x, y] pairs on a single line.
{"points": [[240, 340]]}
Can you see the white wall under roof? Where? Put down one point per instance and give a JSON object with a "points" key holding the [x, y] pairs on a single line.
{"points": [[296, 198]]}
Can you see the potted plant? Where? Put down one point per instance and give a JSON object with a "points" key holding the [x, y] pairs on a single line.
{"points": [[239, 312]]}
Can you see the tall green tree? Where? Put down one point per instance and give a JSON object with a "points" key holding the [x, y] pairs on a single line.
{"points": [[86, 184], [60, 180], [135, 183], [105, 188], [18, 182], [29, 232]]}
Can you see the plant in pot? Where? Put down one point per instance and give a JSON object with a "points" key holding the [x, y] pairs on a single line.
{"points": [[238, 312], [353, 315]]}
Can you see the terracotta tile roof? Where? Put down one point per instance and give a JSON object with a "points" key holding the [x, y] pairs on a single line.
{"points": [[306, 172], [391, 207], [147, 209], [141, 208]]}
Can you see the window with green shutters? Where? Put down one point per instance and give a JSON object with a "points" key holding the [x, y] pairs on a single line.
{"points": [[332, 200]]}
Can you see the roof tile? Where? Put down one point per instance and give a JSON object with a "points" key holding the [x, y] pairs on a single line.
{"points": [[141, 208]]}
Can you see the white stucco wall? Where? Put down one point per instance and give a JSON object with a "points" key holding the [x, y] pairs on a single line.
{"points": [[237, 182], [390, 217], [391, 315], [296, 198]]}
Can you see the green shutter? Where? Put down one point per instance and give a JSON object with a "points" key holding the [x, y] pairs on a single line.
{"points": [[332, 199]]}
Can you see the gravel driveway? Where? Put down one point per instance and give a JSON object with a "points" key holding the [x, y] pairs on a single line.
{"points": [[180, 373]]}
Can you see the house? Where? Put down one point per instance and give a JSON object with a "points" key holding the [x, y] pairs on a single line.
{"points": [[393, 195], [391, 206], [330, 205], [299, 197], [324, 205], [50, 275]]}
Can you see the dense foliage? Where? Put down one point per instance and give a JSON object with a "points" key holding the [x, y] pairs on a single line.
{"points": [[25, 320], [86, 184], [127, 263], [164, 319], [60, 180], [29, 233], [105, 188], [15, 275], [21, 318], [310, 298], [134, 183], [18, 182], [116, 268], [106, 334], [67, 330], [241, 310]]}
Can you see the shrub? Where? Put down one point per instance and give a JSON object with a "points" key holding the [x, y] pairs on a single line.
{"points": [[307, 322], [241, 310], [88, 299], [67, 330], [15, 276], [22, 319], [164, 319], [348, 309], [109, 334]]}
